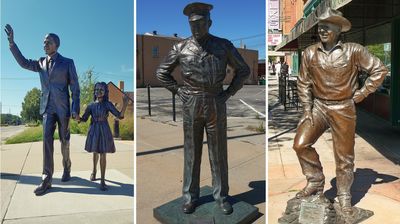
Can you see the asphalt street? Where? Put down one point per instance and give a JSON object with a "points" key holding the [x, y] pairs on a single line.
{"points": [[248, 102], [8, 131]]}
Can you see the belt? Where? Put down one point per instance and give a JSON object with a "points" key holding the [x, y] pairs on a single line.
{"points": [[99, 119], [333, 102], [203, 90]]}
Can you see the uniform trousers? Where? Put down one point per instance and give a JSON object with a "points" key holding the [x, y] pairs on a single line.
{"points": [[204, 112]]}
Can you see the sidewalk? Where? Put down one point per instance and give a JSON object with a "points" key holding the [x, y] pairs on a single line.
{"points": [[376, 186], [160, 165], [76, 201]]}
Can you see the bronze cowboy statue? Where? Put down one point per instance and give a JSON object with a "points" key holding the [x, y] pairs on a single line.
{"points": [[203, 59], [328, 89]]}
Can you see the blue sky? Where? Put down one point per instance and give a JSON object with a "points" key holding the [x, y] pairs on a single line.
{"points": [[95, 33], [232, 19]]}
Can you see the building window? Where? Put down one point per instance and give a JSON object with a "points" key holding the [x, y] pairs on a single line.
{"points": [[155, 52], [378, 42]]}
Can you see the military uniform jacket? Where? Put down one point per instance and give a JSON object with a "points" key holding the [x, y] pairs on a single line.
{"points": [[203, 66]]}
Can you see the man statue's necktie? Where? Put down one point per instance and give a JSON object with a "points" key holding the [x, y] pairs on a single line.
{"points": [[50, 65]]}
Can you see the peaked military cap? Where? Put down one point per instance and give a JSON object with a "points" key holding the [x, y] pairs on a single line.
{"points": [[335, 17], [197, 10]]}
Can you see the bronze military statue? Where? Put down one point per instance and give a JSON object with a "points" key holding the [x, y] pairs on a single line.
{"points": [[328, 89], [203, 59]]}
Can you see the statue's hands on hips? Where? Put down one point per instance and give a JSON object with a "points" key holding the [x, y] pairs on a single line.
{"points": [[358, 96], [223, 97], [10, 33], [181, 94], [307, 116]]}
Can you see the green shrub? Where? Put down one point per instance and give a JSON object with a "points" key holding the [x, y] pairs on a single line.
{"points": [[81, 128], [126, 129]]}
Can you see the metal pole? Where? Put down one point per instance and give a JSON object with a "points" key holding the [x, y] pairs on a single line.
{"points": [[173, 108], [148, 99]]}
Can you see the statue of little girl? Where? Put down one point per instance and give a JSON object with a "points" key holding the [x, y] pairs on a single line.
{"points": [[99, 139]]}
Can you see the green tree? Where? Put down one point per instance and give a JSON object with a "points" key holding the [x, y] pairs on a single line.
{"points": [[9, 119], [377, 50], [86, 84], [31, 106]]}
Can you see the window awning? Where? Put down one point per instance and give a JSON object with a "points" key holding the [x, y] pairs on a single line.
{"points": [[303, 33]]}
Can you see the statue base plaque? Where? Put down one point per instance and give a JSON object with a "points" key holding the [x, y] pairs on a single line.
{"points": [[317, 209], [207, 211]]}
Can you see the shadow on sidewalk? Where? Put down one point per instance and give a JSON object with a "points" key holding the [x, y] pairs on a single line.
{"points": [[364, 178], [73, 186], [181, 146], [254, 196], [380, 134]]}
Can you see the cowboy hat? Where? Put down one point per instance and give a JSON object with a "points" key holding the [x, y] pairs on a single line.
{"points": [[336, 17]]}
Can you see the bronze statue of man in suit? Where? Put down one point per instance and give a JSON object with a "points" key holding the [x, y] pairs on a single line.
{"points": [[328, 89], [56, 73], [203, 59]]}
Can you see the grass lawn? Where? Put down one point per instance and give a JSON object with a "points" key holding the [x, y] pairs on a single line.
{"points": [[35, 134], [32, 134]]}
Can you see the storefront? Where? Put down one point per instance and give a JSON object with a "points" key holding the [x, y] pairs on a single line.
{"points": [[376, 25]]}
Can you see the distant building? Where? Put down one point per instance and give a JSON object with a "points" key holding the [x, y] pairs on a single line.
{"points": [[153, 48], [261, 68]]}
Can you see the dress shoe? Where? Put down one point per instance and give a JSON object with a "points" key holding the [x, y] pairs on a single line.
{"points": [[66, 176], [42, 188], [103, 186], [312, 188], [188, 207], [226, 208]]}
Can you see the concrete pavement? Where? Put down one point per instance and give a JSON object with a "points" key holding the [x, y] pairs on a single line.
{"points": [[76, 201], [376, 186]]}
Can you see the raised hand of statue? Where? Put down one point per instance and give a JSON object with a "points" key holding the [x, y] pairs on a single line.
{"points": [[10, 33], [358, 96], [125, 100], [307, 116]]}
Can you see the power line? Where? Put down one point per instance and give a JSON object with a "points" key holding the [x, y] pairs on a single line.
{"points": [[248, 37]]}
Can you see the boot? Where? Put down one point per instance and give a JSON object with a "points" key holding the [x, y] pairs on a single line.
{"points": [[345, 204], [312, 188]]}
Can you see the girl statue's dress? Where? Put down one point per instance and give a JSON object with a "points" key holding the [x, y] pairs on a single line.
{"points": [[99, 138]]}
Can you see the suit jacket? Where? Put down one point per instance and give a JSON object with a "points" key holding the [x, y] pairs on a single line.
{"points": [[54, 82]]}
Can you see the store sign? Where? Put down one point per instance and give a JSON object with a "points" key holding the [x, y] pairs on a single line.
{"points": [[274, 39], [273, 16], [335, 4]]}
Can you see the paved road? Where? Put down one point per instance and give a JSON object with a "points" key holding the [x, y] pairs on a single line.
{"points": [[161, 99], [9, 131]]}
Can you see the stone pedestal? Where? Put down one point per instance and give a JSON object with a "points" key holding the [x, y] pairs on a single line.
{"points": [[319, 210], [207, 211]]}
